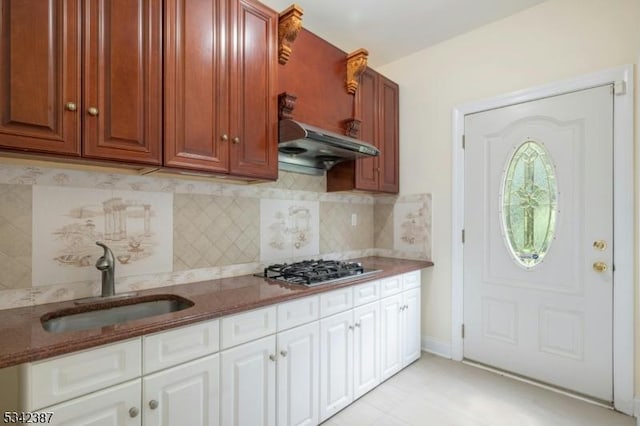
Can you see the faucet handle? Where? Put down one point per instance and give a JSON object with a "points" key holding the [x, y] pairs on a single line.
{"points": [[107, 260]]}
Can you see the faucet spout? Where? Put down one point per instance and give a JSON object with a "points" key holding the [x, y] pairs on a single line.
{"points": [[107, 265]]}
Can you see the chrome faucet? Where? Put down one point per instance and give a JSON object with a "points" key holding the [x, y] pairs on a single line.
{"points": [[107, 265]]}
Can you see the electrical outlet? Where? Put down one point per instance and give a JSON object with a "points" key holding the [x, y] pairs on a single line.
{"points": [[354, 219]]}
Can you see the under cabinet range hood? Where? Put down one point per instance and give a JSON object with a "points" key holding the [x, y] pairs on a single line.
{"points": [[310, 150]]}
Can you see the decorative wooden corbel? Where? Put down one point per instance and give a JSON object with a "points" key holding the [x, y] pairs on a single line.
{"points": [[286, 104], [352, 127], [289, 26], [356, 64]]}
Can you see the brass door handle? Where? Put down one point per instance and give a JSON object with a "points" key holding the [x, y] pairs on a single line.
{"points": [[224, 137], [236, 140], [93, 111], [71, 106], [599, 266]]}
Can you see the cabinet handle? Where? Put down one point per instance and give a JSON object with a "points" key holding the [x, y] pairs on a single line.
{"points": [[93, 111], [284, 353], [71, 106], [224, 137], [350, 327], [153, 404], [236, 140], [272, 357], [358, 324], [133, 412]]}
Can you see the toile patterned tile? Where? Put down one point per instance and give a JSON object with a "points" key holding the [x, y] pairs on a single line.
{"points": [[289, 229], [67, 222], [15, 236]]}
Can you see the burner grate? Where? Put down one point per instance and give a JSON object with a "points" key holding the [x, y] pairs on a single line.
{"points": [[309, 272]]}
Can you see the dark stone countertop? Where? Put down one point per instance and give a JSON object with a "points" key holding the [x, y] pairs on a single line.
{"points": [[23, 339]]}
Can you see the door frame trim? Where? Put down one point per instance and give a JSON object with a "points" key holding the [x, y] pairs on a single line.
{"points": [[623, 218]]}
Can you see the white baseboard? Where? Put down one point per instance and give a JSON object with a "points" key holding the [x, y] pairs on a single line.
{"points": [[636, 411], [436, 346]]}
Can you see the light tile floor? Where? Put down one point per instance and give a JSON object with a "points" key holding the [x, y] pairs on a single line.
{"points": [[439, 392]]}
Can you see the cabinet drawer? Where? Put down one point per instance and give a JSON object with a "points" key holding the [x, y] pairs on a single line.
{"points": [[366, 293], [241, 328], [391, 285], [411, 280], [169, 348], [107, 407], [68, 376], [297, 312], [336, 301]]}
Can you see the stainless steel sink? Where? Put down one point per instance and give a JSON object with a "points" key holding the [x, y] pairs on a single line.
{"points": [[104, 314]]}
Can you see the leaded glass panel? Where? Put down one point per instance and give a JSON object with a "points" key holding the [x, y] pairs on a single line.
{"points": [[529, 204]]}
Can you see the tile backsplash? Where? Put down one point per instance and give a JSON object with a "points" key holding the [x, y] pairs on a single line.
{"points": [[166, 230]]}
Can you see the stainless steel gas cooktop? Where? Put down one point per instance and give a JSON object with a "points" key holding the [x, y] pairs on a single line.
{"points": [[317, 272]]}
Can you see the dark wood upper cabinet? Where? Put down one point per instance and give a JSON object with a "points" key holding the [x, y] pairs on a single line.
{"points": [[254, 118], [377, 106], [122, 96], [40, 76], [45, 46], [220, 87], [389, 135]]}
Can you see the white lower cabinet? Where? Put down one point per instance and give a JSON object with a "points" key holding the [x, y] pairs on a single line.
{"points": [[366, 348], [298, 375], [248, 396], [411, 345], [391, 335], [295, 364], [185, 395], [336, 363], [115, 406], [400, 337]]}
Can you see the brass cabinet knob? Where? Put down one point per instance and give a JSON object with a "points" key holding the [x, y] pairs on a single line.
{"points": [[236, 140], [133, 412], [599, 266], [93, 111], [153, 404], [600, 245], [224, 137], [70, 106]]}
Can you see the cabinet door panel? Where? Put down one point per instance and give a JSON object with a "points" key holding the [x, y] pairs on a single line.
{"points": [[366, 348], [367, 175], [249, 384], [389, 136], [196, 85], [185, 395], [411, 348], [298, 375], [39, 74], [391, 336], [253, 91], [123, 80], [336, 363], [109, 407]]}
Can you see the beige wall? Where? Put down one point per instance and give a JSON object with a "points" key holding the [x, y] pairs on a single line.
{"points": [[555, 40]]}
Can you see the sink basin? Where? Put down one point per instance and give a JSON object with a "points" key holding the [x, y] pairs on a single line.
{"points": [[109, 313]]}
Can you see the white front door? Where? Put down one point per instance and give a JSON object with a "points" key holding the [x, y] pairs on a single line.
{"points": [[538, 278]]}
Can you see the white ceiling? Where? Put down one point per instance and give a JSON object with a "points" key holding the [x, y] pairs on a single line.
{"points": [[391, 29]]}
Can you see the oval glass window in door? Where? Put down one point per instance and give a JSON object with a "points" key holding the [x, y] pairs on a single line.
{"points": [[529, 204]]}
